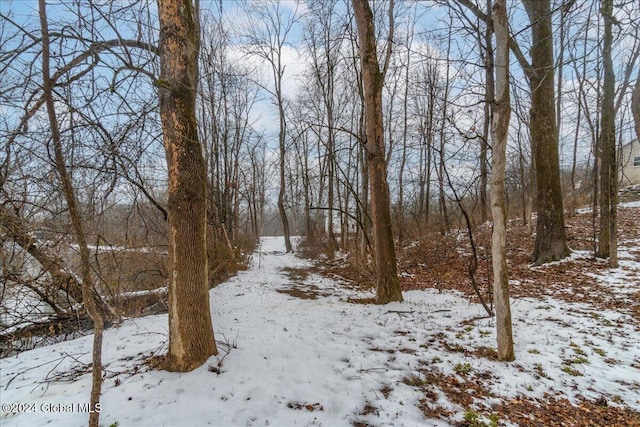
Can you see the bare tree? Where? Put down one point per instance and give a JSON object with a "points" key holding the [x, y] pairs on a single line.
{"points": [[267, 39], [191, 339], [388, 284], [91, 136], [358, 126], [324, 47], [635, 105], [445, 224], [607, 242], [489, 94], [74, 213], [427, 91], [499, 134], [551, 240]]}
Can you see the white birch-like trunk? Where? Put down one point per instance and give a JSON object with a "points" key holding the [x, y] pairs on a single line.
{"points": [[499, 132]]}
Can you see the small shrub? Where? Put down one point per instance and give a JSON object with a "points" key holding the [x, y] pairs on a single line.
{"points": [[472, 419], [573, 372], [414, 381], [580, 351], [540, 370], [462, 368], [578, 360]]}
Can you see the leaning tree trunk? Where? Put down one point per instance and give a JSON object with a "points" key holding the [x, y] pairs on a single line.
{"points": [[191, 339], [499, 135], [76, 221], [551, 240], [388, 284]]}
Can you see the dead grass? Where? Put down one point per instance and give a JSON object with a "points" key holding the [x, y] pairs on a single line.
{"points": [[471, 391], [442, 262], [302, 291]]}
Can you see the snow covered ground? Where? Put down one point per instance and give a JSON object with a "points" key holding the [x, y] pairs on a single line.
{"points": [[289, 361]]}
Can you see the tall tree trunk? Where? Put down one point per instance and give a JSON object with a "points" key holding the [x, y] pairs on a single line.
{"points": [[307, 188], [405, 132], [191, 339], [635, 105], [364, 192], [551, 240], [607, 242], [74, 213], [499, 134], [488, 102], [446, 226], [331, 166], [388, 284], [421, 185], [574, 163], [283, 156], [429, 143], [560, 65], [427, 196]]}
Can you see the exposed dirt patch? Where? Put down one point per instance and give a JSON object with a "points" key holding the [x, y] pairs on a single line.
{"points": [[361, 300], [303, 291], [297, 274]]}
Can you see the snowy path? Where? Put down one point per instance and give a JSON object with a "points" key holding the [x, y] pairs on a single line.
{"points": [[297, 362]]}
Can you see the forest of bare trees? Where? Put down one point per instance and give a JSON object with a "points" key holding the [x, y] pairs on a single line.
{"points": [[147, 147]]}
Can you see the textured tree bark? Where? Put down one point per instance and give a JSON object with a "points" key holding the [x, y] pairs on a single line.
{"points": [[74, 213], [191, 339], [607, 239], [388, 284], [500, 131], [551, 241]]}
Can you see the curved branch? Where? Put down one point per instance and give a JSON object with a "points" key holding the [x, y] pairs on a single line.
{"points": [[93, 50]]}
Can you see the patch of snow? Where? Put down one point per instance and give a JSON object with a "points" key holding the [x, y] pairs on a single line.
{"points": [[157, 291], [635, 204], [574, 255]]}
